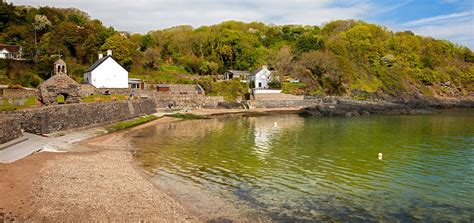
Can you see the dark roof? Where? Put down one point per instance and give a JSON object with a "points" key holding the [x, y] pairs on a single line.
{"points": [[257, 71], [260, 69], [11, 49], [239, 72], [97, 63]]}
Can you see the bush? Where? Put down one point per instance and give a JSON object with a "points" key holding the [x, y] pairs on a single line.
{"points": [[275, 84], [230, 90]]}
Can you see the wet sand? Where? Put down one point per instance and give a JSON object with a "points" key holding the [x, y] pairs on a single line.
{"points": [[104, 184]]}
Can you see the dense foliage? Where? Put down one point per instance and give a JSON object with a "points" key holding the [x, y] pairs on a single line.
{"points": [[344, 57]]}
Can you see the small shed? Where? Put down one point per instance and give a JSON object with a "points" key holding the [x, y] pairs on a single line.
{"points": [[232, 74], [162, 88], [135, 83]]}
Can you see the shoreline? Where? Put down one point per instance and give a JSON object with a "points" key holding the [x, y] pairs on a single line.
{"points": [[91, 185], [102, 184]]}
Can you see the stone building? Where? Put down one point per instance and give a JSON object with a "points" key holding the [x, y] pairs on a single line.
{"points": [[59, 84]]}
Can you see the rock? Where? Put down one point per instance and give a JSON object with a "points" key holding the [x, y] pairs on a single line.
{"points": [[350, 108], [229, 104]]}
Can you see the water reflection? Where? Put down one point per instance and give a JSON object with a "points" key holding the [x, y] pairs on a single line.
{"points": [[269, 129], [321, 168]]}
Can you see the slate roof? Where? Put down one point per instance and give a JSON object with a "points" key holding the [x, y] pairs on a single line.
{"points": [[97, 63], [257, 71], [239, 72], [11, 49]]}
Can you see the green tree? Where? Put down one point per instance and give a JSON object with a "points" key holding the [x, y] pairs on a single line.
{"points": [[121, 49]]}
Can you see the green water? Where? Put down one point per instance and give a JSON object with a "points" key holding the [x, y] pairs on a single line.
{"points": [[290, 168]]}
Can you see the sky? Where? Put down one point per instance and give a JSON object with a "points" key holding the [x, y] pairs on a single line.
{"points": [[443, 19]]}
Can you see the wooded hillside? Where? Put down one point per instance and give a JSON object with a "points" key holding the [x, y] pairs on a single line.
{"points": [[339, 58]]}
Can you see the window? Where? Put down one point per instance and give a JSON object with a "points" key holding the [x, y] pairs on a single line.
{"points": [[259, 85]]}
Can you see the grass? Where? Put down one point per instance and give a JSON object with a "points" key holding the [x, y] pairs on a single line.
{"points": [[166, 74], [230, 90], [60, 99], [131, 123], [293, 88], [187, 116], [29, 103], [173, 69], [104, 98]]}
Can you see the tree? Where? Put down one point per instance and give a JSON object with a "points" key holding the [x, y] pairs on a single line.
{"points": [[120, 47], [146, 41], [308, 42], [152, 57], [41, 23], [283, 62], [321, 69]]}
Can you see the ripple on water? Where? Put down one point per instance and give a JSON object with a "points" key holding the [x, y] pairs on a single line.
{"points": [[322, 169]]}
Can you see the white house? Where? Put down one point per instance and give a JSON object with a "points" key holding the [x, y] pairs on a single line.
{"points": [[10, 52], [106, 73], [261, 78]]}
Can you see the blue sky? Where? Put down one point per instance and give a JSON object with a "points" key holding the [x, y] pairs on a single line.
{"points": [[443, 19]]}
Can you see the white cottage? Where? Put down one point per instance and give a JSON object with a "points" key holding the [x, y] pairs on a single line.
{"points": [[10, 52], [261, 78], [106, 73]]}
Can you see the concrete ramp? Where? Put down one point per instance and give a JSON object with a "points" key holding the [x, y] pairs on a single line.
{"points": [[32, 144]]}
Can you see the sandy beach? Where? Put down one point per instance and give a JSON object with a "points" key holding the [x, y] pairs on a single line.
{"points": [[104, 184]]}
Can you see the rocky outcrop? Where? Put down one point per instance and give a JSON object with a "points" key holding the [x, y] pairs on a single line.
{"points": [[347, 108]]}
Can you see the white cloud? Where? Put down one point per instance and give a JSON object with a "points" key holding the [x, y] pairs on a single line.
{"points": [[145, 15], [461, 32], [439, 18], [456, 27]]}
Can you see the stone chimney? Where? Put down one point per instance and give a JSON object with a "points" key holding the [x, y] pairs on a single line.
{"points": [[100, 56], [109, 52]]}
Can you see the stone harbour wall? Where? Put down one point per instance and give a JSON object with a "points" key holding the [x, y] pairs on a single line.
{"points": [[50, 119], [186, 100], [284, 103], [9, 129]]}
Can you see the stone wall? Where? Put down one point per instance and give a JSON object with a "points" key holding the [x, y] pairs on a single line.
{"points": [[180, 95], [9, 129], [16, 93], [277, 97], [50, 119], [178, 88], [163, 100], [175, 89], [284, 103]]}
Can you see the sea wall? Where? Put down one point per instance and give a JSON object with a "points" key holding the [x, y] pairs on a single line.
{"points": [[164, 100], [9, 129], [284, 103], [50, 119]]}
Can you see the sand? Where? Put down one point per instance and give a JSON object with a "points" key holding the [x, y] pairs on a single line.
{"points": [[104, 184]]}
